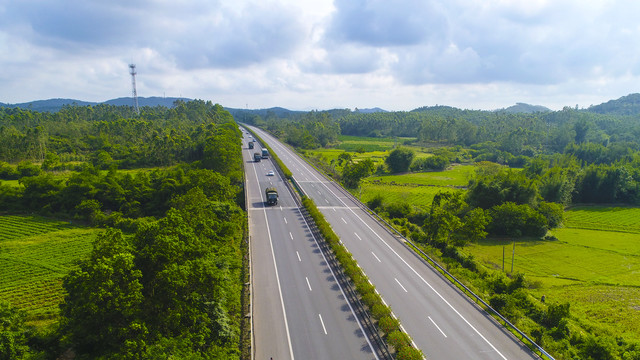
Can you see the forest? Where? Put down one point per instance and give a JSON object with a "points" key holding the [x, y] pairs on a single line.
{"points": [[165, 277]]}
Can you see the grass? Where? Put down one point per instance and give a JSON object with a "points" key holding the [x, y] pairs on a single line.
{"points": [[35, 253], [596, 271], [368, 144]]}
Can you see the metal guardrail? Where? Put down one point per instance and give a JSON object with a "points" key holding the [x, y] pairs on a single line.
{"points": [[342, 278], [489, 309]]}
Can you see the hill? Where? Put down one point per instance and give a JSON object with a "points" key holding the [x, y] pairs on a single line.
{"points": [[626, 105], [524, 108], [53, 105]]}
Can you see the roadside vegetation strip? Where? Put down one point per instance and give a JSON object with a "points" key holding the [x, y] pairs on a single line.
{"points": [[400, 341]]}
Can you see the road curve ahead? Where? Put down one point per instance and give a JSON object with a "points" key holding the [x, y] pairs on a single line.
{"points": [[443, 322], [299, 310]]}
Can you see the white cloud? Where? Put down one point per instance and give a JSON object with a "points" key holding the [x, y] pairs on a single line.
{"points": [[322, 54]]}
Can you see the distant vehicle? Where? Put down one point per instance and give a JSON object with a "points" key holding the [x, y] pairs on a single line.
{"points": [[270, 173], [250, 145], [265, 153], [256, 157], [272, 195], [254, 139], [250, 136]]}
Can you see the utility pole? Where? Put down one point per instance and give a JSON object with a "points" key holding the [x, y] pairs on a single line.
{"points": [[132, 71]]}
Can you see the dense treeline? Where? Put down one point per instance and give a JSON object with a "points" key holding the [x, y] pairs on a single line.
{"points": [[164, 280]]}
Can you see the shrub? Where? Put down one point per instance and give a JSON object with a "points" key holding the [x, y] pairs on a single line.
{"points": [[398, 339], [389, 324], [378, 311], [409, 353]]}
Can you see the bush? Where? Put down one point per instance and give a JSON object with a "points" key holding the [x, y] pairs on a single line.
{"points": [[389, 324], [398, 339], [409, 353], [378, 311]]}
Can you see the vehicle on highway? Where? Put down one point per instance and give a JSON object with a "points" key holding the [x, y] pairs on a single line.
{"points": [[270, 173], [256, 157], [254, 140], [272, 195], [250, 145], [265, 153]]}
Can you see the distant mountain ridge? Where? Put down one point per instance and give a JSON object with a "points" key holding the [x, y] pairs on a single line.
{"points": [[626, 105], [53, 105]]}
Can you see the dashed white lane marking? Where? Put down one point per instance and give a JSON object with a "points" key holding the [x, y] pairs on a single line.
{"points": [[356, 234], [374, 255], [308, 284], [290, 235], [437, 327], [405, 290], [285, 221], [297, 253], [343, 220], [322, 322]]}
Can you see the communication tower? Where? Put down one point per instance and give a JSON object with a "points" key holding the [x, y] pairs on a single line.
{"points": [[132, 71]]}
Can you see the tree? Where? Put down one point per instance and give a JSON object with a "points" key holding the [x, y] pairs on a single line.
{"points": [[352, 172], [13, 342], [101, 310], [399, 159]]}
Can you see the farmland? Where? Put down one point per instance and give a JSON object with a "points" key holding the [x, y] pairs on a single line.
{"points": [[594, 266], [35, 253]]}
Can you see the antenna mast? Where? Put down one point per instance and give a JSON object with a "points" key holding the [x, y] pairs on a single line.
{"points": [[132, 71]]}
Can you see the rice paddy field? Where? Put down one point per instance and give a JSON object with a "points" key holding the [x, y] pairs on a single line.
{"points": [[35, 254], [594, 265], [417, 189]]}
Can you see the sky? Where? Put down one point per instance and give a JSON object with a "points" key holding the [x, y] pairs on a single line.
{"points": [[323, 54]]}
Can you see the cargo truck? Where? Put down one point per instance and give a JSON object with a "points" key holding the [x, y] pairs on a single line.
{"points": [[265, 153], [256, 157], [272, 195]]}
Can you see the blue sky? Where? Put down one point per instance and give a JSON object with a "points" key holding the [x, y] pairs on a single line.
{"points": [[322, 54]]}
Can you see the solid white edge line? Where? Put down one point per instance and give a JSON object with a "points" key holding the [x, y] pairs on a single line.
{"points": [[275, 267], [322, 322], [437, 327], [407, 264]]}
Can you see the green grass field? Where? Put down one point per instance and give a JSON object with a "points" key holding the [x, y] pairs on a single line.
{"points": [[597, 271], [35, 253], [353, 143]]}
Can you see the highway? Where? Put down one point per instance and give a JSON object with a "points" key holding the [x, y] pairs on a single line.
{"points": [[299, 310], [443, 322]]}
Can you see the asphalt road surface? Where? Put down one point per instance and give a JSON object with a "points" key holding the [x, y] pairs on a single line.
{"points": [[443, 322], [299, 310]]}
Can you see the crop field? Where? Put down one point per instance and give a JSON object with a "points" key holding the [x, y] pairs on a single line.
{"points": [[596, 271], [624, 219], [353, 143], [420, 196], [35, 253], [457, 175]]}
